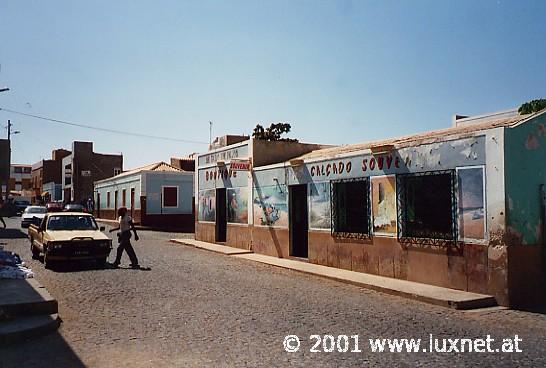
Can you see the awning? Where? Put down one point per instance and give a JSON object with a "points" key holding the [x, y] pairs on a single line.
{"points": [[45, 194]]}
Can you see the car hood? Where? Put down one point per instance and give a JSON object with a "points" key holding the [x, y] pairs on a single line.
{"points": [[32, 215], [60, 235]]}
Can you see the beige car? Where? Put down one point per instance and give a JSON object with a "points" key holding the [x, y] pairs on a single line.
{"points": [[67, 236]]}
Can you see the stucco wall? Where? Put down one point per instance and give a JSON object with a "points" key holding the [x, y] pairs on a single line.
{"points": [[155, 181]]}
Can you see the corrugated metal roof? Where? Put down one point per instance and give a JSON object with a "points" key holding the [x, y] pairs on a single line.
{"points": [[417, 139]]}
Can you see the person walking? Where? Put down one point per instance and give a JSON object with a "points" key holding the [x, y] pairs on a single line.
{"points": [[2, 211], [125, 226]]}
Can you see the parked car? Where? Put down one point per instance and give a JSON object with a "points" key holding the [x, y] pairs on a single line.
{"points": [[20, 205], [74, 207], [33, 215], [54, 206], [67, 236]]}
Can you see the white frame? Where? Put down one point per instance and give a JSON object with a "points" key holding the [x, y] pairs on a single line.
{"points": [[163, 196], [461, 238], [383, 234]]}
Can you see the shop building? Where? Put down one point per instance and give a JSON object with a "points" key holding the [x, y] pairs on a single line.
{"points": [[461, 207], [158, 195]]}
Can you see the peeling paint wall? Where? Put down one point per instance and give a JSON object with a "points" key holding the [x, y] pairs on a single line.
{"points": [[525, 171]]}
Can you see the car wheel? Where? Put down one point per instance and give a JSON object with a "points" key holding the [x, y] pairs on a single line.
{"points": [[49, 264], [35, 252]]}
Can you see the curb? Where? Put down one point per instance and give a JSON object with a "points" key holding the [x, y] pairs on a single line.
{"points": [[445, 297]]}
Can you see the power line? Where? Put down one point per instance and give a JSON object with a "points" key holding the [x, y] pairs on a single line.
{"points": [[101, 129]]}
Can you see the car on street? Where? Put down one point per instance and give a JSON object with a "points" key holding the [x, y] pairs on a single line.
{"points": [[69, 236], [20, 205], [54, 206], [33, 215], [74, 207]]}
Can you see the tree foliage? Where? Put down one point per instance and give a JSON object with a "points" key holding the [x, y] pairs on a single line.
{"points": [[273, 133], [532, 106]]}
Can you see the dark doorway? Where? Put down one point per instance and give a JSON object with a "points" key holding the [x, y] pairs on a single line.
{"points": [[298, 220], [221, 215]]}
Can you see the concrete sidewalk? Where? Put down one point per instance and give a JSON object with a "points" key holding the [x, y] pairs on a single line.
{"points": [[451, 298], [26, 310], [114, 223]]}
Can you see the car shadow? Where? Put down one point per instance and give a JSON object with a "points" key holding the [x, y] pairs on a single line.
{"points": [[11, 233]]}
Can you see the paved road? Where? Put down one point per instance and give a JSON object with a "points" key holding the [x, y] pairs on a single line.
{"points": [[196, 308]]}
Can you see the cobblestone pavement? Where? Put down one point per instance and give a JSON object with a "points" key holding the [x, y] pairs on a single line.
{"points": [[197, 308]]}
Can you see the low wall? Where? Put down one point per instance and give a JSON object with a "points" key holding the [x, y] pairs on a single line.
{"points": [[514, 274]]}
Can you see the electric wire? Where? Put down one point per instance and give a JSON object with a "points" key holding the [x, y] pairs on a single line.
{"points": [[101, 129]]}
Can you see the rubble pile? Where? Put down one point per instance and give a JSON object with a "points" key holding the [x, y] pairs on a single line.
{"points": [[11, 266]]}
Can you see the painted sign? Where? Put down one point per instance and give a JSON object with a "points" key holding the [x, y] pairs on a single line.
{"points": [[237, 205], [270, 206], [471, 203], [207, 205], [225, 155], [384, 204], [319, 206], [239, 165]]}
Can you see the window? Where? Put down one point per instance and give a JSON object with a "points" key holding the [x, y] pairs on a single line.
{"points": [[350, 208], [107, 199], [123, 196], [427, 205], [117, 171], [18, 169], [27, 170], [170, 196]]}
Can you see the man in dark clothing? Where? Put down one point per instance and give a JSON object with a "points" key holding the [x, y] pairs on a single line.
{"points": [[124, 238]]}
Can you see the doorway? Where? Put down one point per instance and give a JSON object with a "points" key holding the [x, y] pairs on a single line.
{"points": [[221, 215], [298, 220]]}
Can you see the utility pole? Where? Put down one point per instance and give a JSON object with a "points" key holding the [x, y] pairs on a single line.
{"points": [[210, 133]]}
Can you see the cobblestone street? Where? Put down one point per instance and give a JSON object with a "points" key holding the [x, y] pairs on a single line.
{"points": [[197, 308]]}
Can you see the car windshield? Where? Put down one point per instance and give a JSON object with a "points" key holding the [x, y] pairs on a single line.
{"points": [[71, 223], [35, 210]]}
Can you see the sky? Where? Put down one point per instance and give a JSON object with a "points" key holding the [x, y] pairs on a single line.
{"points": [[339, 72]]}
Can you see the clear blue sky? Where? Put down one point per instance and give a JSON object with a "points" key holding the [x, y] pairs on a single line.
{"points": [[338, 71]]}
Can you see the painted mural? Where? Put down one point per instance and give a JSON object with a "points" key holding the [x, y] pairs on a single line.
{"points": [[384, 205], [319, 206], [471, 203], [270, 206], [207, 205], [237, 205]]}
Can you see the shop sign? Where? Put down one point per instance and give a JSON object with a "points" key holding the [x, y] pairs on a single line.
{"points": [[239, 165]]}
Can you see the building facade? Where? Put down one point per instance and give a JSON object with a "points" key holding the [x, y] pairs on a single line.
{"points": [[82, 167], [20, 178], [156, 195], [48, 171], [462, 207]]}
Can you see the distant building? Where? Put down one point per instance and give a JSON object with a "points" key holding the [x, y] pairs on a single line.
{"points": [[20, 178], [155, 195], [183, 163], [47, 177], [83, 167], [4, 165]]}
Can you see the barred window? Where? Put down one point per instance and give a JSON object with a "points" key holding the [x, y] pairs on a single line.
{"points": [[427, 205], [350, 208]]}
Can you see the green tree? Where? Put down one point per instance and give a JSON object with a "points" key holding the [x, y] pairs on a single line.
{"points": [[532, 106], [273, 133]]}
